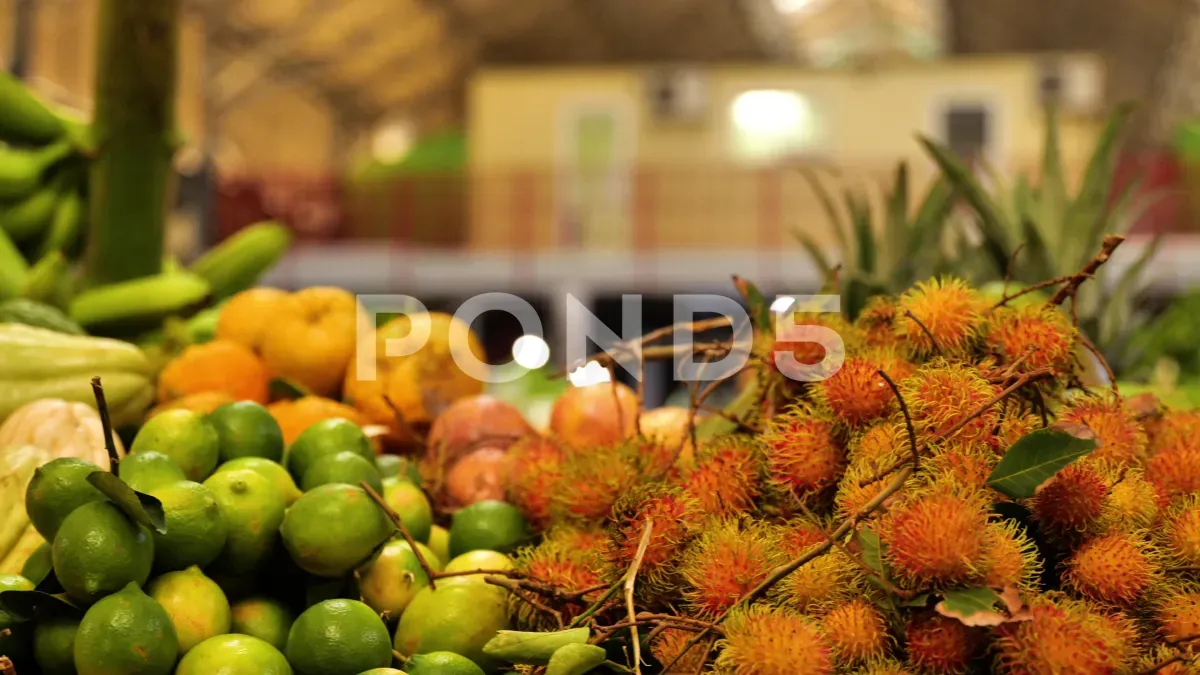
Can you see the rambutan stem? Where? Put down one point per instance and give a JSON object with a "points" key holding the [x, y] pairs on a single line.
{"points": [[514, 587], [1033, 289], [912, 431], [587, 613], [110, 443], [1110, 244], [630, 585], [925, 329], [399, 523]]}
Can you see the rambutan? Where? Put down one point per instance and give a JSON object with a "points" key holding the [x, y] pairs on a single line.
{"points": [[1164, 660], [883, 440], [1034, 337], [1177, 613], [1174, 471], [1064, 637], [676, 517], [1173, 428], [876, 322], [728, 476], [763, 641], [938, 644], [856, 631], [1115, 569], [555, 562], [535, 471], [883, 667], [1072, 502], [862, 483], [1013, 427], [820, 584], [1120, 437], [1010, 557], [593, 481], [969, 467], [670, 643], [936, 538], [941, 395], [804, 452], [593, 541], [1132, 502], [727, 560], [940, 316], [856, 394], [1180, 532], [798, 534], [808, 353]]}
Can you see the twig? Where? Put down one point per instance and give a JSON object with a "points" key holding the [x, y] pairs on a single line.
{"points": [[622, 349], [595, 607], [106, 424], [396, 520], [630, 584], [1041, 404], [912, 432], [704, 656], [1110, 244], [511, 574], [1033, 289], [514, 587], [929, 334], [1012, 262], [1108, 371], [402, 423]]}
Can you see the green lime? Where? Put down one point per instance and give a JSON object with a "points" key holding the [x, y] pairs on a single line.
{"points": [[490, 561], [57, 488], [128, 633], [411, 504], [16, 636], [99, 550], [390, 580], [183, 435], [263, 618], [400, 468], [344, 467], [247, 429], [338, 637], [196, 531], [54, 645], [333, 529], [327, 437], [488, 525], [252, 509], [459, 618], [148, 469], [272, 471], [441, 663], [383, 671], [39, 563], [439, 542], [233, 655], [195, 603]]}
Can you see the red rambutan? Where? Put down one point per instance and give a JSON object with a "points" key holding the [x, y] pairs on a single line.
{"points": [[883, 440], [1010, 557], [728, 477], [857, 632], [1114, 569], [856, 394], [804, 452], [726, 561], [1072, 502], [593, 481], [938, 644], [1174, 471], [940, 316], [824, 582], [1180, 532], [676, 517], [936, 538], [876, 322], [670, 643], [535, 470], [941, 395], [1120, 437], [554, 562], [1064, 637], [808, 353], [1174, 428], [762, 641], [1035, 337]]}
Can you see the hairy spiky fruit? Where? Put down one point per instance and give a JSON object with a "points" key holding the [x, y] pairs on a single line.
{"points": [[822, 583], [728, 477], [856, 394], [1010, 557], [877, 322], [1180, 532], [968, 467], [862, 483], [1120, 437], [726, 561], [1115, 568], [856, 631], [1132, 503], [555, 562], [1175, 472], [1177, 615], [593, 541], [884, 667], [1173, 428], [535, 471], [761, 641], [1164, 660], [936, 538], [941, 395], [806, 353], [1072, 502], [1063, 637], [1013, 427], [670, 643], [937, 644], [804, 452], [940, 316], [880, 441], [592, 481], [1034, 337], [676, 518]]}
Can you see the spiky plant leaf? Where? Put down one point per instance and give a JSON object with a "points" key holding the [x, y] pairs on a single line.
{"points": [[1086, 216], [824, 266], [831, 212], [864, 236], [997, 239]]}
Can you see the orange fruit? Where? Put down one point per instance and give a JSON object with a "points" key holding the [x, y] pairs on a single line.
{"points": [[246, 318], [217, 366], [201, 402], [311, 338], [296, 416], [421, 384]]}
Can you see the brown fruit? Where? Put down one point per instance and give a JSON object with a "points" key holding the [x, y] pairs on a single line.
{"points": [[472, 423], [599, 414], [480, 476]]}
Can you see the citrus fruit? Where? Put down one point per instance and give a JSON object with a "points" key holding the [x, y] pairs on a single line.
{"points": [[247, 429], [327, 437], [233, 654], [383, 671], [57, 488], [311, 338], [15, 642], [390, 580], [196, 605], [458, 618], [272, 471], [338, 637], [185, 437], [128, 633], [295, 416], [196, 530], [441, 663], [54, 645], [397, 467], [344, 467], [202, 402], [475, 560], [99, 550], [246, 317], [263, 618], [220, 365], [39, 563], [148, 469], [488, 525], [253, 510], [439, 542], [333, 529], [411, 504]]}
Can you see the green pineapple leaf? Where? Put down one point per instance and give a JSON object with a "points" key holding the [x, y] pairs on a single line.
{"points": [[993, 227], [831, 212], [864, 236], [1087, 219]]}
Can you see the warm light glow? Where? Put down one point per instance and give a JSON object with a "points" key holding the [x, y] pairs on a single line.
{"points": [[592, 373], [782, 303], [795, 6], [530, 351], [392, 141], [768, 111]]}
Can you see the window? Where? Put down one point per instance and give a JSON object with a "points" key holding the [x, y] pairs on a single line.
{"points": [[771, 124], [967, 130]]}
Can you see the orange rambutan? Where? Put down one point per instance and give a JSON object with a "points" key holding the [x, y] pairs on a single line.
{"points": [[941, 395], [968, 467], [1164, 660], [876, 322], [727, 560], [1072, 502], [1034, 337], [535, 470], [556, 563], [592, 541], [1173, 428], [1013, 427], [856, 631], [1115, 569], [1010, 557], [728, 476], [938, 644], [805, 455], [1064, 637], [676, 518], [863, 482], [763, 641], [1132, 502], [1174, 471], [798, 534], [593, 481], [806, 353], [1179, 534], [1120, 437], [882, 440], [936, 538], [856, 394], [670, 643], [1177, 612], [940, 316], [884, 667], [824, 582]]}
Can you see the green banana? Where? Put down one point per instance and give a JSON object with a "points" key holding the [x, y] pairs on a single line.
{"points": [[29, 217], [21, 169], [126, 307], [46, 278], [24, 118], [237, 263], [13, 268], [66, 223]]}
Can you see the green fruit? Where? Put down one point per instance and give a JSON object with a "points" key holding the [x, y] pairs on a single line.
{"points": [[413, 507], [459, 618], [16, 642], [439, 542], [392, 578], [476, 560], [126, 633], [99, 550], [54, 645], [272, 471], [327, 437], [252, 510], [39, 563], [31, 313], [196, 530], [333, 529], [196, 605], [488, 525], [344, 467], [246, 429], [186, 437], [59, 487], [233, 655], [148, 469], [441, 663], [401, 468], [382, 671], [263, 618], [338, 637]]}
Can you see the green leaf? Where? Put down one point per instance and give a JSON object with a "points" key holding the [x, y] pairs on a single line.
{"points": [[740, 408], [533, 649], [917, 601], [896, 231], [1039, 455], [616, 667], [872, 548], [831, 212], [576, 659], [991, 219], [141, 508], [965, 603], [1084, 220], [26, 605], [1053, 190], [824, 266], [760, 309], [282, 388], [864, 235]]}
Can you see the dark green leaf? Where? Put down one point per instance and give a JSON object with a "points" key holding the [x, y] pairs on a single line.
{"points": [[1084, 220], [872, 549], [896, 224], [831, 212], [141, 508], [576, 659], [282, 388], [533, 649], [25, 605], [1039, 455], [864, 234], [1053, 192], [964, 603], [918, 601], [760, 309], [991, 219]]}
